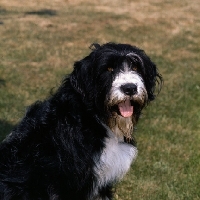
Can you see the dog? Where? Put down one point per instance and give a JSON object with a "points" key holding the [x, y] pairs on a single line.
{"points": [[77, 143]]}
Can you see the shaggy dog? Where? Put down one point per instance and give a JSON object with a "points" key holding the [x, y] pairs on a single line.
{"points": [[77, 143]]}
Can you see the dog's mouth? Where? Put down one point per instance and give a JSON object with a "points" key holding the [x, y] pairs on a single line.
{"points": [[124, 108]]}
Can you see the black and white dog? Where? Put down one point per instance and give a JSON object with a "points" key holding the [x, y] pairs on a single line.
{"points": [[77, 143]]}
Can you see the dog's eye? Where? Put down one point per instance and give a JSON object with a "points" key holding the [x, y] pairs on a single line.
{"points": [[110, 69], [134, 68]]}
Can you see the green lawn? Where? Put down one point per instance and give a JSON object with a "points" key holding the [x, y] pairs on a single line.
{"points": [[40, 40]]}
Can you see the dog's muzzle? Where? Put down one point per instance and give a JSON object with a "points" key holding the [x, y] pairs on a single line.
{"points": [[127, 92], [126, 107]]}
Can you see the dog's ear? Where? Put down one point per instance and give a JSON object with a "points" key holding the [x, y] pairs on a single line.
{"points": [[76, 79], [81, 78], [153, 80], [82, 75]]}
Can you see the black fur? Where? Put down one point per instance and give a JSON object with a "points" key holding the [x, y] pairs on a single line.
{"points": [[50, 154]]}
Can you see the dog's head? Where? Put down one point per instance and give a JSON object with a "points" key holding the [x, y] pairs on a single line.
{"points": [[116, 81]]}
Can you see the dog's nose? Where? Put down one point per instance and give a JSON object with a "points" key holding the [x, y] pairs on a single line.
{"points": [[129, 89]]}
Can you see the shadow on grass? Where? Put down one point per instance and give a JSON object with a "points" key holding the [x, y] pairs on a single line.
{"points": [[2, 11], [5, 129], [2, 82], [47, 12]]}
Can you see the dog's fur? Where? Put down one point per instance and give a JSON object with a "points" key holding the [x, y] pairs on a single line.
{"points": [[77, 143]]}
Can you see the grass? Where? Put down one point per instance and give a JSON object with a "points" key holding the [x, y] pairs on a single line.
{"points": [[40, 40]]}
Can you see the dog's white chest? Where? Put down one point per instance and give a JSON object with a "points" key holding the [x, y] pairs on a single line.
{"points": [[115, 161]]}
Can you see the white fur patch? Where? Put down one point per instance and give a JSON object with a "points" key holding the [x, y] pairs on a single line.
{"points": [[124, 77], [115, 160]]}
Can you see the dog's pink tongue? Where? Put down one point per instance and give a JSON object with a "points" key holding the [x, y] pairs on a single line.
{"points": [[125, 108]]}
